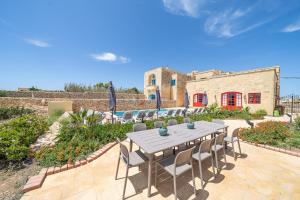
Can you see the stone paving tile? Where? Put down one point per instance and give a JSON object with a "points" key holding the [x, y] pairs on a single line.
{"points": [[258, 174]]}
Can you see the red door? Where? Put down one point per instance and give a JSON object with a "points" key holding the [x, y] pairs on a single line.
{"points": [[232, 100], [197, 100]]}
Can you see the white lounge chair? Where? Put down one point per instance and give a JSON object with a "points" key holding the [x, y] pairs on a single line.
{"points": [[177, 113], [150, 115], [169, 113], [127, 118], [140, 116]]}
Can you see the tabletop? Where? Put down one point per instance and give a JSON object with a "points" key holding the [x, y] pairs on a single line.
{"points": [[151, 142]]}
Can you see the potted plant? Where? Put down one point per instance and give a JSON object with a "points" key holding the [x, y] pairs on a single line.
{"points": [[190, 125], [163, 131]]}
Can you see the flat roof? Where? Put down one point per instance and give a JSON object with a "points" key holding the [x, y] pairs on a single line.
{"points": [[227, 74]]}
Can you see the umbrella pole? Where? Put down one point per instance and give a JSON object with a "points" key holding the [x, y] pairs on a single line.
{"points": [[112, 117]]}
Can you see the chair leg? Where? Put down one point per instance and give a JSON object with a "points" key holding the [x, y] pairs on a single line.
{"points": [[234, 156], [239, 147], [116, 177], [224, 155], [193, 177], [125, 183], [200, 172], [213, 165], [216, 157], [175, 188], [155, 179]]}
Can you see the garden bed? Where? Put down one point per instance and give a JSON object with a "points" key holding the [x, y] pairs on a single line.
{"points": [[277, 134], [77, 140]]}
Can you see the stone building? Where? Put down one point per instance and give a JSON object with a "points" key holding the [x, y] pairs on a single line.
{"points": [[256, 89]]}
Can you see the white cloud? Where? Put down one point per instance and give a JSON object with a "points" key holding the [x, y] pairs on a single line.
{"points": [[230, 23], [106, 56], [38, 43], [224, 20], [292, 28], [110, 57], [124, 59], [183, 7]]}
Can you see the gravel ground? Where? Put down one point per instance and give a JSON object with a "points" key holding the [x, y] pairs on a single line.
{"points": [[13, 179]]}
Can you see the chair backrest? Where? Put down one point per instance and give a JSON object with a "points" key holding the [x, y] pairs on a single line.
{"points": [[218, 121], [200, 110], [235, 132], [205, 146], [177, 112], [184, 112], [158, 124], [172, 122], [127, 115], [187, 120], [139, 127], [183, 157], [170, 112], [141, 114], [196, 110], [220, 139], [150, 114], [124, 153]]}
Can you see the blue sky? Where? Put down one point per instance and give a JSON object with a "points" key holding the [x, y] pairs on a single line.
{"points": [[49, 43]]}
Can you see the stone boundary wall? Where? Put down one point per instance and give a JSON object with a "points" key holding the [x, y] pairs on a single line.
{"points": [[41, 104], [71, 95]]}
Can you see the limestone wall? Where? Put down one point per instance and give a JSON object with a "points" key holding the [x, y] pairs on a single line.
{"points": [[41, 104], [263, 82], [71, 95]]}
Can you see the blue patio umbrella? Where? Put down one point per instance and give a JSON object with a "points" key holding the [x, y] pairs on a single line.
{"points": [[158, 100], [186, 102], [205, 100], [112, 100]]}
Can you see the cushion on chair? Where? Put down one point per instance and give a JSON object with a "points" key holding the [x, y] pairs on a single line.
{"points": [[137, 158], [168, 165], [230, 139], [216, 147], [203, 156]]}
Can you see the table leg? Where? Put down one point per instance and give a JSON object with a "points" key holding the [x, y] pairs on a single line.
{"points": [[226, 132], [149, 174], [130, 146]]}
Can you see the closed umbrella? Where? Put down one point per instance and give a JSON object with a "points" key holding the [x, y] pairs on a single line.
{"points": [[158, 100], [186, 101], [112, 100], [205, 100]]}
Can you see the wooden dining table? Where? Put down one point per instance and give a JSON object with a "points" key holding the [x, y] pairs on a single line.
{"points": [[151, 142]]}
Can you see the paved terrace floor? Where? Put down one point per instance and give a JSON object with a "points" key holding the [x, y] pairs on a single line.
{"points": [[258, 174]]}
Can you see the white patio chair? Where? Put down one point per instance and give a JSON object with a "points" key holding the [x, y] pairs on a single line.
{"points": [[172, 122], [219, 144], [176, 166], [130, 159], [232, 139], [202, 154], [158, 124]]}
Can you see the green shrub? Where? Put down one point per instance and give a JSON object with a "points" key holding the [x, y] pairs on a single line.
{"points": [[297, 123], [272, 133], [76, 140], [261, 112], [3, 93], [12, 112], [17, 135]]}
